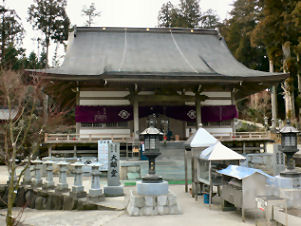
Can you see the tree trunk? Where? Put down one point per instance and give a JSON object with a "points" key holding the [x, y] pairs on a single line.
{"points": [[273, 97], [288, 90], [299, 84]]}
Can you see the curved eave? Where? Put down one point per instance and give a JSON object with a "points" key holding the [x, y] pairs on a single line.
{"points": [[161, 77]]}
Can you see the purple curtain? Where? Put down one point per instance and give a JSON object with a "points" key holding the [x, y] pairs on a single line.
{"points": [[103, 114]]}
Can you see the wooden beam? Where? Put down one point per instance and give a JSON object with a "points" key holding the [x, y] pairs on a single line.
{"points": [[168, 98]]}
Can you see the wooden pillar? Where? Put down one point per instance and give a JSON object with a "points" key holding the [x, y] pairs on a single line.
{"points": [[233, 101], [77, 104], [185, 166], [210, 185], [50, 151], [74, 151], [192, 174], [198, 110], [136, 118]]}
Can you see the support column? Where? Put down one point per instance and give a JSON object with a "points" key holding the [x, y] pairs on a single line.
{"points": [[136, 118], [77, 104], [233, 101], [198, 110]]}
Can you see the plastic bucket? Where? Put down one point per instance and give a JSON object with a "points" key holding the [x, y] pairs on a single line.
{"points": [[206, 198]]}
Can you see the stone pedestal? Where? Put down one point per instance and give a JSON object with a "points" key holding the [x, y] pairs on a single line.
{"points": [[62, 186], [78, 188], [114, 188], [152, 188], [27, 176], [95, 193], [49, 184], [38, 167], [150, 205]]}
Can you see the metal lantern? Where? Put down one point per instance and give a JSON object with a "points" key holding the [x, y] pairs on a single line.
{"points": [[289, 143], [151, 137]]}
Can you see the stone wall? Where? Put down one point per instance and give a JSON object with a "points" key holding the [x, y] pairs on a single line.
{"points": [[49, 200]]}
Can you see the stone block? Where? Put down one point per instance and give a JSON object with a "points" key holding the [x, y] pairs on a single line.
{"points": [[132, 210], [149, 200], [175, 209], [147, 211], [30, 199], [68, 203], [20, 198], [155, 211], [152, 188], [162, 200], [163, 210], [172, 199], [113, 191], [39, 203], [137, 200]]}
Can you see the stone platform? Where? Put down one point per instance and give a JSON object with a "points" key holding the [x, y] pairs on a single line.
{"points": [[150, 205]]}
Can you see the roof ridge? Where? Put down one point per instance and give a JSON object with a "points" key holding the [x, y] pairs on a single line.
{"points": [[148, 29]]}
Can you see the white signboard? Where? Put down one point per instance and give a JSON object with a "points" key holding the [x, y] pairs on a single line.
{"points": [[103, 148]]}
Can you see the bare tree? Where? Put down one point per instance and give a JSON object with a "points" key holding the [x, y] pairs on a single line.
{"points": [[91, 13], [23, 128]]}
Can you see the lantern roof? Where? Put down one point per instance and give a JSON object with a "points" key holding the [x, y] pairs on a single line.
{"points": [[288, 128], [151, 131]]}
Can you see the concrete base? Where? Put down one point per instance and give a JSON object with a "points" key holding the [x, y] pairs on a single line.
{"points": [[113, 191], [48, 186], [62, 188], [78, 194], [152, 188], [96, 198], [95, 192], [150, 205]]}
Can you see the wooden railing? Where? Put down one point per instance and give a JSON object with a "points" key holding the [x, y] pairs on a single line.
{"points": [[122, 137], [69, 138], [242, 135]]}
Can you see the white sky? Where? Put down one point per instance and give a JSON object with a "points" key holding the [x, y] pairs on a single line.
{"points": [[115, 13]]}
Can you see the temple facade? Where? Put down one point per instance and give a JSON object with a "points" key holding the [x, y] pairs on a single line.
{"points": [[183, 76]]}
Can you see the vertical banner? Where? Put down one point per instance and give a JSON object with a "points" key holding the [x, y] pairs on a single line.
{"points": [[103, 153]]}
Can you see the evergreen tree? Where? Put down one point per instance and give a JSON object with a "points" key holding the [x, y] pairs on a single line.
{"points": [[279, 31], [11, 33], [187, 15], [237, 33], [91, 13], [209, 19], [50, 17], [167, 15]]}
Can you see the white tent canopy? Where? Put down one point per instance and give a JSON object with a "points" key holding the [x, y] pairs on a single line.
{"points": [[201, 138], [218, 151]]}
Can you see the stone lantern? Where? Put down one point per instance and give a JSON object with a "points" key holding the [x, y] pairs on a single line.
{"points": [[289, 148], [151, 149]]}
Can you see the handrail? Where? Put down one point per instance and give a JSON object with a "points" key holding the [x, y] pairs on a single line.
{"points": [[84, 137]]}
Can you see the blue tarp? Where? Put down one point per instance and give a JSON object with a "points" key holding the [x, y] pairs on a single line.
{"points": [[241, 172]]}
